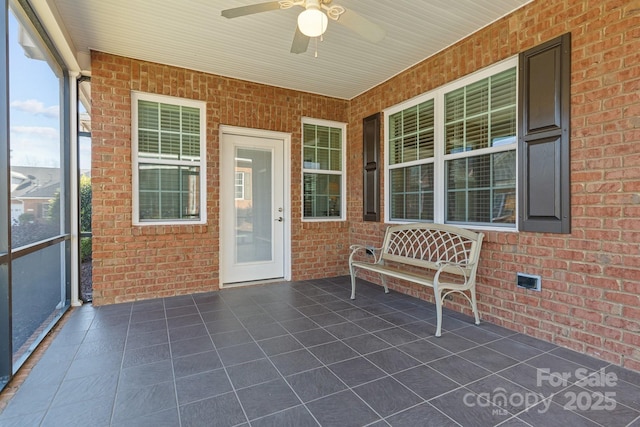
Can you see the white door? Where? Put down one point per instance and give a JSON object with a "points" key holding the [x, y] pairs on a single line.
{"points": [[252, 210]]}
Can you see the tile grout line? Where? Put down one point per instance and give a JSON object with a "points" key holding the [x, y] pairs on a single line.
{"points": [[124, 350], [173, 370], [215, 347]]}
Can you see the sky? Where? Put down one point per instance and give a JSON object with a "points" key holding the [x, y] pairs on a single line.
{"points": [[34, 99]]}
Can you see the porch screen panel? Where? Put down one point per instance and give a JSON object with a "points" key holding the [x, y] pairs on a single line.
{"points": [[39, 171], [37, 299]]}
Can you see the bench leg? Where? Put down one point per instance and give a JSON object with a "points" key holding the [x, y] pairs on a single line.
{"points": [[353, 282], [474, 305], [384, 283], [438, 314]]}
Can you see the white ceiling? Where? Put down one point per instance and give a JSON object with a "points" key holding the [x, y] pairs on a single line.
{"points": [[192, 34]]}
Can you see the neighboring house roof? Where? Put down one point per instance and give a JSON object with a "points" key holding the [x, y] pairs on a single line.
{"points": [[29, 182], [47, 192]]}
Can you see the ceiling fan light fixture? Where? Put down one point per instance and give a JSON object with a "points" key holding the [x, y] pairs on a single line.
{"points": [[312, 22]]}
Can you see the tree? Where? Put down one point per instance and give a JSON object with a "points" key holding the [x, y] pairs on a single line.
{"points": [[85, 217], [85, 203]]}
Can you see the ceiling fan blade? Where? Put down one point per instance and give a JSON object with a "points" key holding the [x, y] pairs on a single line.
{"points": [[300, 42], [365, 28], [251, 9]]}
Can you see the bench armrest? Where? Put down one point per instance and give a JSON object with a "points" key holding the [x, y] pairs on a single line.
{"points": [[454, 264], [447, 265], [376, 252]]}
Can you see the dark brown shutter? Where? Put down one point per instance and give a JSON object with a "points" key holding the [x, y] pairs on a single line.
{"points": [[543, 143], [371, 184]]}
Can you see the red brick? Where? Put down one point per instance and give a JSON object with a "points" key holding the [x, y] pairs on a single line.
{"points": [[589, 277]]}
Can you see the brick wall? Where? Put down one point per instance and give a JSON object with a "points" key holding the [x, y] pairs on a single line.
{"points": [[590, 299], [591, 279], [132, 263]]}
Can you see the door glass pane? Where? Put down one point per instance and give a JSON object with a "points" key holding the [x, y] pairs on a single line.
{"points": [[254, 211], [37, 298]]}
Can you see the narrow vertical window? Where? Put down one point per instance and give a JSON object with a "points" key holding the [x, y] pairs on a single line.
{"points": [[323, 169], [239, 186], [411, 157]]}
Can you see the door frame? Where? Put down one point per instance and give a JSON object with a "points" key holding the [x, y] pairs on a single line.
{"points": [[286, 162]]}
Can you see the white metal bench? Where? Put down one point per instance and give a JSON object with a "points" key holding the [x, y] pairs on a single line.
{"points": [[443, 257]]}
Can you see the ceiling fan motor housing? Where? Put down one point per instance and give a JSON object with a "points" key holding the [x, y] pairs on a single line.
{"points": [[318, 13]]}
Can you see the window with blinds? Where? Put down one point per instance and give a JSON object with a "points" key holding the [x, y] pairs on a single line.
{"points": [[481, 118], [451, 153], [168, 145], [411, 156], [323, 145]]}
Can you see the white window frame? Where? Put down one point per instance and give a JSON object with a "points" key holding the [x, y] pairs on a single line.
{"points": [[136, 160], [342, 172], [239, 185], [439, 159]]}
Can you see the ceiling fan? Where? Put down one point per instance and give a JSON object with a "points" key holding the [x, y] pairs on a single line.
{"points": [[312, 22]]}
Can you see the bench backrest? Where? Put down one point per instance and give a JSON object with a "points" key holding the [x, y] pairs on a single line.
{"points": [[428, 245]]}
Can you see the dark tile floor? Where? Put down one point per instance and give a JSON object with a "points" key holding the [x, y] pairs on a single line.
{"points": [[303, 354]]}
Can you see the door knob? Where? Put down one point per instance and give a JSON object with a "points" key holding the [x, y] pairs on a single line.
{"points": [[279, 219]]}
